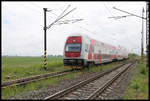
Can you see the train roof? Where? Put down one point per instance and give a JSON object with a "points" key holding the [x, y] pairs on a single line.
{"points": [[79, 34]]}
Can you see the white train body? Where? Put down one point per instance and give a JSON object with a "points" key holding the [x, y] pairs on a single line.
{"points": [[80, 50]]}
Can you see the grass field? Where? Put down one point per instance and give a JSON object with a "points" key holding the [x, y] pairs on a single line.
{"points": [[19, 67], [12, 91]]}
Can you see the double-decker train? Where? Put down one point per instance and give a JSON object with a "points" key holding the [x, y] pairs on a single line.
{"points": [[81, 50]]}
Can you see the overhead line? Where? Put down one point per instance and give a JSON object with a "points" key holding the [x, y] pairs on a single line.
{"points": [[76, 25], [61, 17], [63, 12], [108, 9], [129, 13], [80, 26]]}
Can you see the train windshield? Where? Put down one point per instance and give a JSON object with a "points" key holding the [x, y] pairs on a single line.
{"points": [[76, 47]]}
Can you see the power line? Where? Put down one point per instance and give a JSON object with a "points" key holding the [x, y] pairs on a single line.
{"points": [[107, 9], [67, 21], [92, 31], [88, 29], [119, 17], [63, 12], [85, 29], [78, 25], [60, 17], [142, 49], [129, 13]]}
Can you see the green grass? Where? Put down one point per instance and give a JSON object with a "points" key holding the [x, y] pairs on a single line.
{"points": [[19, 67], [27, 66], [138, 87], [6, 93]]}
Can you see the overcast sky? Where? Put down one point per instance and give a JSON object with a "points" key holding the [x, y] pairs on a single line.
{"points": [[23, 34]]}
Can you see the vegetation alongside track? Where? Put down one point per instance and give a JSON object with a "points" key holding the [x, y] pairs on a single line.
{"points": [[19, 67], [138, 87], [12, 91], [28, 66]]}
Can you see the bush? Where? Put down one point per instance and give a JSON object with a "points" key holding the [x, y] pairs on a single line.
{"points": [[143, 71]]}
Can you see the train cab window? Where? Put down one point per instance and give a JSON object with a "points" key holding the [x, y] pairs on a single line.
{"points": [[73, 47]]}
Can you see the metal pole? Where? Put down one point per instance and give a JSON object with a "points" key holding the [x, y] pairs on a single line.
{"points": [[45, 28], [142, 52], [147, 32]]}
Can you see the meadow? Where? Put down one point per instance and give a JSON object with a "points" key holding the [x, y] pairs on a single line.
{"points": [[19, 67]]}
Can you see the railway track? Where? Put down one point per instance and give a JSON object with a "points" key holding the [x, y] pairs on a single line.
{"points": [[114, 90], [26, 80], [92, 87]]}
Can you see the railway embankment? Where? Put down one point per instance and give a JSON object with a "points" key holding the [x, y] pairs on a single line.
{"points": [[139, 84]]}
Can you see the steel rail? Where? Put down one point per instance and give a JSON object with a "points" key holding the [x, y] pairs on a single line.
{"points": [[107, 84], [33, 78], [74, 87]]}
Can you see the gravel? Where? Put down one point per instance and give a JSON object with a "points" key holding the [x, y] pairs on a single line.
{"points": [[62, 84], [118, 88]]}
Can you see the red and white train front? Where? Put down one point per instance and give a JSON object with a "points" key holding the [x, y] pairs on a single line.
{"points": [[72, 51]]}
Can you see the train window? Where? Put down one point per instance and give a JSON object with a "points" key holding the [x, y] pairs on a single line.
{"points": [[73, 47], [86, 47], [92, 49]]}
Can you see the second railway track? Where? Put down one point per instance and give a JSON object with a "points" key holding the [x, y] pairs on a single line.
{"points": [[26, 80], [92, 87], [33, 78]]}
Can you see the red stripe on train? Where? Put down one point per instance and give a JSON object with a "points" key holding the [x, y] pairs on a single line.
{"points": [[76, 39], [72, 54]]}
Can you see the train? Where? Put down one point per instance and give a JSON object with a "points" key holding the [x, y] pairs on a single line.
{"points": [[80, 51]]}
